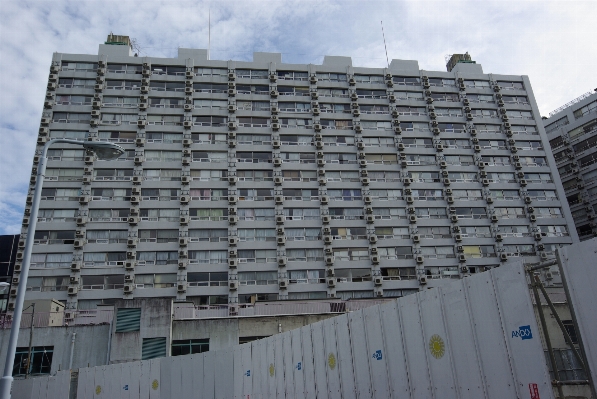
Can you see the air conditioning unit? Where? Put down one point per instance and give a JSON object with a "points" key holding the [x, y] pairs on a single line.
{"points": [[73, 290], [454, 218], [372, 239], [183, 241], [135, 199], [494, 218], [81, 220], [84, 199], [283, 283], [324, 199], [274, 93], [370, 219], [133, 220], [458, 237], [233, 285], [489, 200], [503, 257], [182, 253], [75, 266], [462, 258], [450, 199], [317, 127], [233, 263], [378, 280], [422, 280], [532, 218], [528, 200], [331, 282], [184, 199], [74, 280], [181, 287], [419, 259], [140, 141], [412, 219], [129, 265]]}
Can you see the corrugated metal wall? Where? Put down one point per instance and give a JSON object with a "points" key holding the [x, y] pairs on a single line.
{"points": [[474, 338]]}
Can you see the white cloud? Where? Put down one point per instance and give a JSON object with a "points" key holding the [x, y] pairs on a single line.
{"points": [[551, 41]]}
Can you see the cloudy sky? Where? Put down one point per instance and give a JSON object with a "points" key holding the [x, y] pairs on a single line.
{"points": [[553, 42]]}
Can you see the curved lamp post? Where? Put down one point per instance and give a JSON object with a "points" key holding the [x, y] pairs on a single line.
{"points": [[103, 150]]}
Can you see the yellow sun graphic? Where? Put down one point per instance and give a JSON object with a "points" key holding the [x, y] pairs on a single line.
{"points": [[437, 346], [98, 390], [155, 384], [332, 361], [272, 370]]}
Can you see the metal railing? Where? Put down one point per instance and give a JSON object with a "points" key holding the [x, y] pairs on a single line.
{"points": [[60, 319]]}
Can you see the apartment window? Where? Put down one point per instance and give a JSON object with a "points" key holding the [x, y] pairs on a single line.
{"points": [[113, 174], [70, 117], [306, 276], [210, 71], [54, 237], [331, 77], [163, 215], [480, 98], [208, 235], [404, 110], [153, 348], [375, 109], [588, 160], [519, 114], [346, 213], [519, 129], [252, 89], [478, 84], [108, 215], [334, 108], [504, 85], [103, 259], [347, 295], [55, 260], [353, 275], [41, 361], [124, 68], [425, 177], [302, 213], [402, 273], [514, 231], [433, 232], [123, 84], [350, 254], [258, 214], [210, 88], [519, 250], [418, 159], [209, 195], [585, 144], [56, 215], [299, 175], [376, 141], [295, 123], [347, 233], [292, 75], [385, 159], [386, 195], [189, 346], [128, 320], [504, 195], [155, 280], [106, 236], [294, 107], [258, 278], [510, 213], [553, 231], [430, 195], [379, 79], [451, 112], [451, 127], [438, 252], [68, 134], [478, 251], [248, 121], [293, 91], [584, 129], [407, 81], [439, 82], [79, 66], [336, 124], [383, 233], [157, 258], [345, 195], [307, 295], [212, 121], [204, 138], [163, 194], [73, 100], [300, 195], [414, 126], [475, 231], [76, 83], [118, 137], [251, 74], [256, 234], [450, 97], [162, 174], [430, 213], [55, 283], [257, 256], [296, 140], [389, 213], [542, 195], [213, 279], [254, 139], [208, 214], [484, 113], [209, 174], [383, 176], [212, 257], [305, 255], [471, 213], [255, 194], [298, 157], [34, 284], [255, 175], [158, 236], [340, 158], [254, 157]]}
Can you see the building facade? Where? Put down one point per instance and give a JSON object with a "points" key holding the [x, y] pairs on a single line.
{"points": [[8, 255], [252, 181], [572, 133]]}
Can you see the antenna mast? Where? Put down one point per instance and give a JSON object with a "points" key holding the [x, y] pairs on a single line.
{"points": [[209, 34], [384, 44]]}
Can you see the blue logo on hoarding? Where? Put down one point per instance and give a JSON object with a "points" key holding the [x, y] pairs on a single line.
{"points": [[299, 366], [523, 332], [248, 373], [377, 355], [126, 387]]}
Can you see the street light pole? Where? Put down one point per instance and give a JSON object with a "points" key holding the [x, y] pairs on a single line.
{"points": [[104, 151]]}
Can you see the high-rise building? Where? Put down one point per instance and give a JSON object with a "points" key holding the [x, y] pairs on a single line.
{"points": [[8, 253], [572, 134], [249, 181]]}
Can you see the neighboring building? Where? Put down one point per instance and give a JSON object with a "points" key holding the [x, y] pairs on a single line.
{"points": [[260, 181], [572, 133], [8, 254]]}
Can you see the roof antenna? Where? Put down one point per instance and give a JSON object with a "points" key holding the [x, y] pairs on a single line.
{"points": [[384, 44], [209, 35]]}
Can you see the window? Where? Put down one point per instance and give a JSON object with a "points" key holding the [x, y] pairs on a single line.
{"points": [[251, 74], [353, 275], [292, 75], [587, 109], [252, 89], [402, 273], [153, 348], [76, 83], [128, 319], [259, 214], [157, 258], [41, 361], [569, 326], [212, 257], [209, 87], [306, 276], [79, 66], [123, 68], [51, 260], [207, 235], [106, 236], [189, 346], [208, 214], [258, 278], [334, 108], [70, 117], [168, 70], [305, 255], [331, 77], [249, 121], [293, 91], [379, 79], [389, 213], [510, 85], [210, 71], [54, 237], [407, 81], [74, 100], [99, 259], [213, 279], [257, 256], [213, 121]]}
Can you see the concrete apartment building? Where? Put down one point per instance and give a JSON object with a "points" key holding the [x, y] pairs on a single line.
{"points": [[572, 134], [259, 181]]}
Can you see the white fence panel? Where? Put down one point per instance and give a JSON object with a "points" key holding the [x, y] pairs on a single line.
{"points": [[166, 374], [144, 379], [320, 360], [22, 389], [309, 368], [464, 347], [240, 368], [197, 375], [333, 370], [39, 387], [279, 365], [272, 370], [377, 352], [288, 365], [415, 347], [134, 378], [100, 386], [298, 364], [488, 330], [209, 389], [249, 371], [344, 356], [259, 369], [395, 355], [521, 333], [187, 375], [154, 379], [360, 354], [225, 373]]}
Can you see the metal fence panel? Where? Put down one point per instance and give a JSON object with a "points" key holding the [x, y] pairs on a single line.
{"points": [[154, 379], [195, 370], [113, 381], [288, 365], [308, 369], [488, 330], [209, 389], [144, 378], [463, 343], [134, 378], [258, 369], [344, 356], [320, 360], [279, 364], [39, 387], [99, 385], [225, 373], [331, 351], [518, 318], [166, 374], [247, 376], [298, 364], [360, 354], [271, 368], [415, 347], [187, 375], [579, 272], [394, 346], [437, 344], [377, 353], [239, 372], [23, 389]]}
